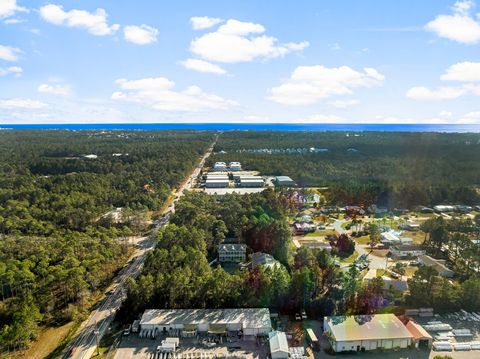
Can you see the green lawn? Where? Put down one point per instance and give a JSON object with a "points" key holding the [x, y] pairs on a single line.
{"points": [[344, 225], [321, 233], [410, 271], [350, 259], [362, 239]]}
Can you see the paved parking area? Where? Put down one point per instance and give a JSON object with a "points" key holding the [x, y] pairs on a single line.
{"points": [[135, 347]]}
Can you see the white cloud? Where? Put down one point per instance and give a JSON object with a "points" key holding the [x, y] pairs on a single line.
{"points": [[237, 41], [463, 6], [203, 66], [21, 103], [309, 84], [204, 22], [9, 8], [256, 118], [474, 114], [322, 118], [140, 35], [445, 114], [345, 103], [9, 53], [13, 21], [54, 89], [463, 71], [466, 72], [442, 93], [15, 70], [95, 23], [460, 26], [159, 94]]}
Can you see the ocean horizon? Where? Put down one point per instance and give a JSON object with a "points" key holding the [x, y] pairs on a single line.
{"points": [[446, 128]]}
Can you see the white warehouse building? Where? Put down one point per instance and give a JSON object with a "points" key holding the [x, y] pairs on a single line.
{"points": [[220, 166], [235, 166], [366, 332], [249, 321]]}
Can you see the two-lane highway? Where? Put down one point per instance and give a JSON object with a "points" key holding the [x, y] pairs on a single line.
{"points": [[92, 330]]}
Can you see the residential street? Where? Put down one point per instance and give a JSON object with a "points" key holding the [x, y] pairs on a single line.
{"points": [[375, 261]]}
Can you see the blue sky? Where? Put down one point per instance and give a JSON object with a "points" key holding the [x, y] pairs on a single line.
{"points": [[343, 61]]}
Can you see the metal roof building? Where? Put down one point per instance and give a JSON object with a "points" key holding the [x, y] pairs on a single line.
{"points": [[251, 321], [284, 181], [251, 181], [235, 166], [366, 332], [220, 166], [278, 345], [217, 181]]}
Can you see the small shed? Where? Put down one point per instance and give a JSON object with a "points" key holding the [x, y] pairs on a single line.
{"points": [[278, 345]]}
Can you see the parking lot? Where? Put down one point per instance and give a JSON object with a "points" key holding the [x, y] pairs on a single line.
{"points": [[190, 348]]}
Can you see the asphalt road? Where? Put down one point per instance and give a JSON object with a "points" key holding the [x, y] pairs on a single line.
{"points": [[375, 262], [91, 331]]}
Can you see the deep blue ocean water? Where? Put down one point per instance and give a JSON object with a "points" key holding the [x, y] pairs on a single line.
{"points": [[256, 127]]}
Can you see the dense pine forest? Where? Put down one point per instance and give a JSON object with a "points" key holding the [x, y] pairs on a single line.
{"points": [[59, 243], [387, 168]]}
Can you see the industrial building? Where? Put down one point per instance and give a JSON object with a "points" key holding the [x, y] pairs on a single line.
{"points": [[366, 332], [251, 181], [235, 166], [190, 322], [284, 181], [278, 345], [437, 264], [220, 167], [217, 181], [232, 253]]}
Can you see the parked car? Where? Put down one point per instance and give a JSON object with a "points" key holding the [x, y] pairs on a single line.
{"points": [[304, 315], [298, 316], [127, 330]]}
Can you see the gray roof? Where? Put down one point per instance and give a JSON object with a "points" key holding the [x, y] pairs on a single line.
{"points": [[278, 342], [248, 317], [232, 247], [407, 247], [265, 259], [438, 265]]}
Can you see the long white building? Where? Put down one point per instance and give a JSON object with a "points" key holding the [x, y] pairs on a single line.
{"points": [[249, 321], [366, 332]]}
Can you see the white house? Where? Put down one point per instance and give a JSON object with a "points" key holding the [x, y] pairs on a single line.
{"points": [[366, 332], [232, 253], [405, 251], [278, 345]]}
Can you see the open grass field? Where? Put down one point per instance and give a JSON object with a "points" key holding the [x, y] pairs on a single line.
{"points": [[46, 343]]}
